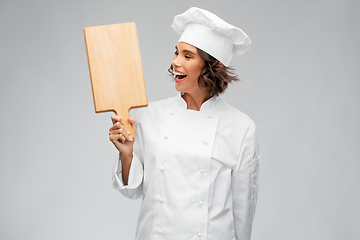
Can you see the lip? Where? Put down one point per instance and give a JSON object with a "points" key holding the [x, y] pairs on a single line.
{"points": [[179, 80]]}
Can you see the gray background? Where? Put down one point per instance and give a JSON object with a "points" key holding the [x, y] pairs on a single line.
{"points": [[300, 84]]}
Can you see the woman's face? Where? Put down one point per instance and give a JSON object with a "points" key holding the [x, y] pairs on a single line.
{"points": [[187, 66]]}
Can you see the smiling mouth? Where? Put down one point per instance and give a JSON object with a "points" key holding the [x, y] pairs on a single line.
{"points": [[178, 77]]}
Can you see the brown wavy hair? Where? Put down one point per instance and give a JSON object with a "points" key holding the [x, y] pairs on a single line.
{"points": [[215, 76]]}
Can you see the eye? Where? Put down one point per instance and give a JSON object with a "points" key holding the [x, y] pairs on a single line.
{"points": [[176, 53], [187, 56]]}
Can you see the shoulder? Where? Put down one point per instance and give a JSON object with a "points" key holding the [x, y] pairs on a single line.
{"points": [[234, 128], [234, 117]]}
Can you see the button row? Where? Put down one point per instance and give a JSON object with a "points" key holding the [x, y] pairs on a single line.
{"points": [[201, 170], [205, 142], [209, 116], [161, 199], [199, 234]]}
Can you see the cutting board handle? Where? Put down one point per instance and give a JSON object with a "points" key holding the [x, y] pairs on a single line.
{"points": [[125, 117]]}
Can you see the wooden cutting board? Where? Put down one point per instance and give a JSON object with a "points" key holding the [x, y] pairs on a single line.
{"points": [[116, 74]]}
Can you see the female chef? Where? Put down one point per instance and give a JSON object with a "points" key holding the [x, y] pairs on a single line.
{"points": [[194, 160]]}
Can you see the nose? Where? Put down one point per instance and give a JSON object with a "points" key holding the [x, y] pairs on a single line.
{"points": [[175, 62]]}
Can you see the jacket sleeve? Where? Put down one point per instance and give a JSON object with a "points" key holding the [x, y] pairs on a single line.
{"points": [[134, 188], [245, 186]]}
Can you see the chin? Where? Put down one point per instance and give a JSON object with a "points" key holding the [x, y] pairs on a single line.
{"points": [[178, 88]]}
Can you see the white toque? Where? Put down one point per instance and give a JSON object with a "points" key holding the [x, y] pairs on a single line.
{"points": [[211, 34]]}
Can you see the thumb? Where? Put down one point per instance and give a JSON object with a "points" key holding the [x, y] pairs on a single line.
{"points": [[132, 121]]}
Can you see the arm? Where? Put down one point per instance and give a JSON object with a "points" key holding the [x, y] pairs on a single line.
{"points": [[125, 165], [128, 174], [118, 135], [245, 186]]}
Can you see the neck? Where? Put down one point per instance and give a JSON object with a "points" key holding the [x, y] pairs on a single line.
{"points": [[194, 101]]}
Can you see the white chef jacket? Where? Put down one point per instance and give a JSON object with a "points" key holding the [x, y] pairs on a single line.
{"points": [[196, 171]]}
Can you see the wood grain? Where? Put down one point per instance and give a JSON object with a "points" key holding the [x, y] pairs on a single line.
{"points": [[116, 74]]}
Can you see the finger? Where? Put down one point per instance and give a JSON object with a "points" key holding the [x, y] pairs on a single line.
{"points": [[115, 119], [114, 138], [122, 138], [126, 133], [116, 126], [114, 132], [132, 121], [117, 138]]}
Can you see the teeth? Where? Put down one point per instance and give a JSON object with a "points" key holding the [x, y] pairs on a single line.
{"points": [[179, 74]]}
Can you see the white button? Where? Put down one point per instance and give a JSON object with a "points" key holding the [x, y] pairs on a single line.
{"points": [[201, 170], [166, 137], [199, 234], [161, 200], [210, 116], [205, 142], [162, 168], [200, 202], [159, 231], [171, 113]]}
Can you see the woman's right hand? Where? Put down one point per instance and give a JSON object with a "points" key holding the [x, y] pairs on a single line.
{"points": [[119, 136]]}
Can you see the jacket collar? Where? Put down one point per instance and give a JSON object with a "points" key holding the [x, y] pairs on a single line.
{"points": [[207, 105]]}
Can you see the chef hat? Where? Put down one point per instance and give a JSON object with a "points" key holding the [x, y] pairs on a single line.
{"points": [[211, 34]]}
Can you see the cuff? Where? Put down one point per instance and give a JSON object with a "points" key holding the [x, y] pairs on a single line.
{"points": [[135, 175]]}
